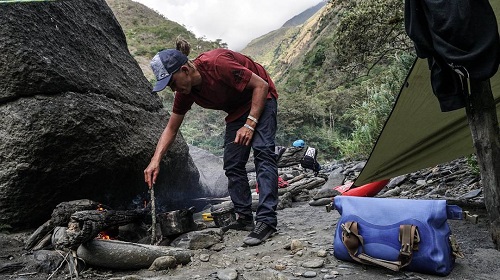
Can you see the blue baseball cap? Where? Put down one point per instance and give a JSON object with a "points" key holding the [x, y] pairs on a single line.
{"points": [[164, 64]]}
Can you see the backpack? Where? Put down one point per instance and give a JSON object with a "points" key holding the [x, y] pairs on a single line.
{"points": [[308, 161]]}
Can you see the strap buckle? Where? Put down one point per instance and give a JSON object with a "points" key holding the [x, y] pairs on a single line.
{"points": [[473, 218], [345, 229], [457, 253], [409, 238], [405, 250]]}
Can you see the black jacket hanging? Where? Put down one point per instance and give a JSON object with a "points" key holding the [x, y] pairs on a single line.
{"points": [[460, 40]]}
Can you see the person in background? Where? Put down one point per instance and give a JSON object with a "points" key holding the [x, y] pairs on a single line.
{"points": [[225, 80]]}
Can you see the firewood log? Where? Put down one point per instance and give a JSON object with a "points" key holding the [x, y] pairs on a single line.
{"points": [[126, 255], [60, 217], [86, 225]]}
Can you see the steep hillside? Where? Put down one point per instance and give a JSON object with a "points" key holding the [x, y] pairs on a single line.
{"points": [[281, 48], [266, 49], [148, 32], [304, 16], [295, 49]]}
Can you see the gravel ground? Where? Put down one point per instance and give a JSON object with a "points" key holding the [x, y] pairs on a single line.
{"points": [[299, 226]]}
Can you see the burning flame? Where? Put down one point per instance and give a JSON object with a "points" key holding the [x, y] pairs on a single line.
{"points": [[103, 235]]}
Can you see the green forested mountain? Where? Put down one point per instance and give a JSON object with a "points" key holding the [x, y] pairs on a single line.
{"points": [[304, 16], [337, 74], [148, 32]]}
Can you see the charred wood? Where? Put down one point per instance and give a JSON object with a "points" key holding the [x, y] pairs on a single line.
{"points": [[11, 267], [63, 211], [39, 235], [45, 242], [86, 225], [60, 217]]}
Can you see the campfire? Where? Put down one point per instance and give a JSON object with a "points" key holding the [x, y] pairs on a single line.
{"points": [[98, 235], [104, 235]]}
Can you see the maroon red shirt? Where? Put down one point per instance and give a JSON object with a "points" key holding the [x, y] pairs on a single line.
{"points": [[224, 74]]}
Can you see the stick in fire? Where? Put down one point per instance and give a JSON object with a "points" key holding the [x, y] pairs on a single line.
{"points": [[153, 215]]}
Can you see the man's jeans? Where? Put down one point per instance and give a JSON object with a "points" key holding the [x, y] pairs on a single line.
{"points": [[236, 157]]}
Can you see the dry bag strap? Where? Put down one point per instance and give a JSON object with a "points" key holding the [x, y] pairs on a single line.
{"points": [[408, 236]]}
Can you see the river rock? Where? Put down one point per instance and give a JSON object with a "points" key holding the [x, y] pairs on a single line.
{"points": [[78, 116]]}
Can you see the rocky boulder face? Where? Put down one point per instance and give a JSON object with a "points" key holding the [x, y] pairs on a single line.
{"points": [[212, 176], [78, 119]]}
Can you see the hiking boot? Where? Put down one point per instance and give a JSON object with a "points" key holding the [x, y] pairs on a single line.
{"points": [[242, 223], [260, 233]]}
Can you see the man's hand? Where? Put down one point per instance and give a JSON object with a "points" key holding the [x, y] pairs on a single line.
{"points": [[244, 136], [259, 89], [151, 172]]}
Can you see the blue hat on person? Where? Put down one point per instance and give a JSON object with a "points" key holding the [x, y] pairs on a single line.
{"points": [[299, 143], [164, 64]]}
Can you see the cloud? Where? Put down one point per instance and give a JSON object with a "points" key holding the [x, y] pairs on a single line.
{"points": [[235, 22]]}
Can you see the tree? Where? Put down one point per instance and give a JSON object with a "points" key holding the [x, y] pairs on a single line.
{"points": [[368, 33], [483, 121]]}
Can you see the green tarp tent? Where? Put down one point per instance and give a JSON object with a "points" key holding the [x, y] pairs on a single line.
{"points": [[417, 134]]}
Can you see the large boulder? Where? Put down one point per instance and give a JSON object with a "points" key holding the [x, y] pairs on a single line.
{"points": [[211, 167], [78, 117]]}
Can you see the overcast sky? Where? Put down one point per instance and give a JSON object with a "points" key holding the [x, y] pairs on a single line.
{"points": [[235, 22]]}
